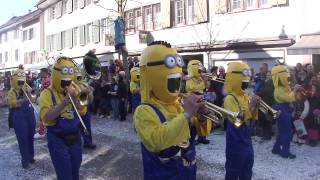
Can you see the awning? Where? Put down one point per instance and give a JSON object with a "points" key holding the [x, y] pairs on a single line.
{"points": [[309, 44]]}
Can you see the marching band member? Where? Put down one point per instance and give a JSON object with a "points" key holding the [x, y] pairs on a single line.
{"points": [[283, 96], [83, 109], [22, 114], [161, 121], [239, 150], [62, 124], [196, 84], [135, 87]]}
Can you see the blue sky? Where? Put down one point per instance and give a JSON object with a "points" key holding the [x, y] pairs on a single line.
{"points": [[15, 8]]}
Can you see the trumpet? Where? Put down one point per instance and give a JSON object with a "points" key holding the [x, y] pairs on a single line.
{"points": [[266, 109], [216, 113]]}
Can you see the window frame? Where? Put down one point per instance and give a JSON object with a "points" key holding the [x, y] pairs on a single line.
{"points": [[155, 20], [183, 14]]}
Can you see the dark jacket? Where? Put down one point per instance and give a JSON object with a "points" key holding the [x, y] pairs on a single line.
{"points": [[122, 91], [266, 91]]}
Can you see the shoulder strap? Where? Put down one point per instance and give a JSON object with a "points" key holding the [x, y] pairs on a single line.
{"points": [[53, 98], [159, 113], [235, 98]]}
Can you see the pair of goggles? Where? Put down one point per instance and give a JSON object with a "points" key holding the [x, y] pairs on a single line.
{"points": [[169, 61], [65, 70], [245, 72], [20, 74]]}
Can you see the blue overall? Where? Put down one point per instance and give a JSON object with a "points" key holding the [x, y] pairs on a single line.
{"points": [[167, 164], [239, 152], [87, 138], [136, 99], [24, 124], [64, 145], [284, 137]]}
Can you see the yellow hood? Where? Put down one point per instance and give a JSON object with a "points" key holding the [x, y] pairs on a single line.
{"points": [[235, 77]]}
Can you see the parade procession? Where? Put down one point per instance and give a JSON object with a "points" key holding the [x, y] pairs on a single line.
{"points": [[160, 90]]}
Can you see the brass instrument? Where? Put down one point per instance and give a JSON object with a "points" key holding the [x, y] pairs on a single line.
{"points": [[77, 89], [216, 113], [264, 107], [26, 88]]}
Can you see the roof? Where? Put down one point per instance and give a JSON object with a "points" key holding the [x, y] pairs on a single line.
{"points": [[44, 4], [18, 20], [308, 44]]}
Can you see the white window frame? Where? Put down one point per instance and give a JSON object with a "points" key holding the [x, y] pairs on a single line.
{"points": [[82, 35], [156, 17], [16, 55], [130, 21], [190, 11], [0, 58], [75, 36], [147, 19], [138, 23], [88, 33], [265, 4], [179, 19], [251, 6], [6, 56], [238, 8]]}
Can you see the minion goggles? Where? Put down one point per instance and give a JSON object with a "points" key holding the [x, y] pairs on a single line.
{"points": [[169, 61], [20, 74], [65, 70], [245, 72]]}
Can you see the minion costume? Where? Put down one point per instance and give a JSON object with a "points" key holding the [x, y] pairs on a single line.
{"points": [[239, 150], [160, 121], [134, 87], [195, 84], [63, 133], [83, 110], [22, 115], [283, 97]]}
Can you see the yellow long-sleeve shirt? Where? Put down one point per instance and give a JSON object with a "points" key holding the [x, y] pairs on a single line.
{"points": [[284, 95], [12, 99], [157, 136]]}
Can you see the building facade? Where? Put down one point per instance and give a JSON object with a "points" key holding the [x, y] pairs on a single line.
{"points": [[20, 41], [213, 31]]}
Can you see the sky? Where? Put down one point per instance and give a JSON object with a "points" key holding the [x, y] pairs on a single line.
{"points": [[15, 8]]}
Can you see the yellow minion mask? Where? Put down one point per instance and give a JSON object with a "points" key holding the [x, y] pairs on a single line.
{"points": [[18, 79], [280, 76], [135, 74], [160, 72], [63, 72], [194, 68], [237, 78]]}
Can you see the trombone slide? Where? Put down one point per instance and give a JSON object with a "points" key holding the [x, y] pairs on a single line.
{"points": [[81, 120]]}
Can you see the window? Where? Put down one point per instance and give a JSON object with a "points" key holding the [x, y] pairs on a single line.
{"points": [[88, 33], [59, 41], [31, 34], [32, 57], [75, 5], [263, 3], [87, 2], [69, 6], [5, 37], [179, 12], [25, 35], [0, 38], [138, 19], [156, 16], [63, 39], [96, 31], [75, 36], [6, 56], [82, 35], [190, 11], [236, 4], [16, 34], [129, 21], [81, 3], [64, 7], [148, 18], [0, 58], [107, 31], [16, 55], [59, 9], [248, 4]]}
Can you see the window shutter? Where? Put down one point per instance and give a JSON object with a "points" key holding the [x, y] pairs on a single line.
{"points": [[82, 35], [278, 2], [74, 4], [96, 31], [69, 6], [59, 9], [221, 6], [75, 37], [201, 10], [81, 3], [165, 14]]}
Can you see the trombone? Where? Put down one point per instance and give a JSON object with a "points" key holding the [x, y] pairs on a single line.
{"points": [[216, 113], [213, 78], [76, 110], [33, 96]]}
